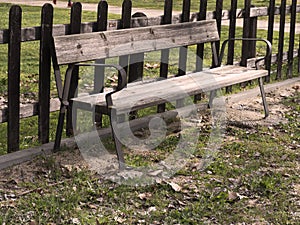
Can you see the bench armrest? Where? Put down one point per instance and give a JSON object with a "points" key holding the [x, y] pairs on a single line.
{"points": [[268, 54], [122, 73]]}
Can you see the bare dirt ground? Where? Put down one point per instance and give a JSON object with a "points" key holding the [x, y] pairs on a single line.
{"points": [[247, 114]]}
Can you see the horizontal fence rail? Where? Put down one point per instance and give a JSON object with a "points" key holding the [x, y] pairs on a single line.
{"points": [[15, 34]]}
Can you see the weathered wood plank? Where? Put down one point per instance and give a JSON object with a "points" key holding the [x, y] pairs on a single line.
{"points": [[281, 39], [14, 50], [292, 39], [28, 110], [76, 13], [174, 88], [84, 47], [45, 74], [164, 65], [271, 20]]}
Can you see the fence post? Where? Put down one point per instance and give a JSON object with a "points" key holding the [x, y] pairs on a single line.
{"points": [[14, 58], [270, 36], [200, 47], [246, 33], [75, 24], [125, 23], [231, 34], [292, 39], [252, 34], [124, 60], [136, 61], [281, 39], [164, 65], [45, 73], [185, 17], [101, 25], [218, 16], [232, 25]]}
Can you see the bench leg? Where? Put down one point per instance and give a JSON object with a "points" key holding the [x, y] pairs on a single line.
{"points": [[118, 144], [59, 128], [212, 95], [263, 95]]}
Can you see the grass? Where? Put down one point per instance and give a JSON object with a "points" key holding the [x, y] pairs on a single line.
{"points": [[253, 179], [177, 4]]}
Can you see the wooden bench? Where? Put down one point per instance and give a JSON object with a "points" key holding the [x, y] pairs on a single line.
{"points": [[72, 50]]}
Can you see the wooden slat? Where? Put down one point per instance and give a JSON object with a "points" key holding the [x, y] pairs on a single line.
{"points": [[246, 33], [45, 74], [292, 39], [164, 65], [174, 88], [200, 47], [84, 47], [184, 49], [76, 13], [14, 50], [270, 36], [281, 39]]}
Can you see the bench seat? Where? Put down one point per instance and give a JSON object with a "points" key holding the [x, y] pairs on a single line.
{"points": [[148, 94]]}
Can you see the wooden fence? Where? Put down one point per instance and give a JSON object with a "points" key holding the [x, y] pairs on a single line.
{"points": [[15, 34]]}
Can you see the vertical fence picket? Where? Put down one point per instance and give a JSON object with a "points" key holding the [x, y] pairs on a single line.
{"points": [[45, 73], [231, 34], [298, 66], [270, 36], [125, 23], [14, 58], [218, 16], [292, 39], [136, 61], [183, 50], [200, 47], [281, 39], [124, 60], [75, 24], [252, 34], [246, 32], [164, 65], [101, 25]]}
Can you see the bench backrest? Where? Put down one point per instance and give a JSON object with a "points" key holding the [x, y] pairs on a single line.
{"points": [[97, 45]]}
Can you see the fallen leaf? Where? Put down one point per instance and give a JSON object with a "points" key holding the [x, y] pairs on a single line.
{"points": [[119, 219], [155, 173], [175, 186], [232, 196], [91, 206], [144, 196], [152, 209]]}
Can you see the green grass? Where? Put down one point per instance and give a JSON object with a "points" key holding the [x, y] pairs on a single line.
{"points": [[177, 4], [253, 179]]}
